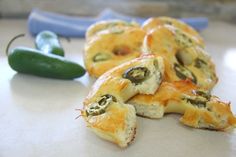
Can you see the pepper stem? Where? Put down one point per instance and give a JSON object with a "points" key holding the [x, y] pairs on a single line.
{"points": [[10, 42]]}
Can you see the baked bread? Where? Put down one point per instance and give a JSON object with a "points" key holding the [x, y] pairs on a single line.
{"points": [[114, 26], [183, 58], [172, 74], [110, 49], [199, 108], [111, 120], [104, 109], [152, 23]]}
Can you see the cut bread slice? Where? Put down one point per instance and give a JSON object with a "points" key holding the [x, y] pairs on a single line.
{"points": [[117, 124], [214, 114], [199, 108]]}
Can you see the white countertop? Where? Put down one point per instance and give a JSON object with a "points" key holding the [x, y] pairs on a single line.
{"points": [[37, 115]]}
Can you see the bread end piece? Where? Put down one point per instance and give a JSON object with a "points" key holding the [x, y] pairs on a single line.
{"points": [[117, 124]]}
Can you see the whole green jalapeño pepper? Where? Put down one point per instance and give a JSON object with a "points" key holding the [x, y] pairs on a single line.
{"points": [[48, 42], [35, 62]]}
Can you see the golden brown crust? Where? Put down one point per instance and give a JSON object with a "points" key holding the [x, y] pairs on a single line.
{"points": [[117, 124], [183, 58], [108, 25], [113, 83], [152, 23], [113, 119], [108, 49]]}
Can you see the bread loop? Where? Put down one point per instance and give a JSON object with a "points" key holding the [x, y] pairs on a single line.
{"points": [[108, 49], [183, 58]]}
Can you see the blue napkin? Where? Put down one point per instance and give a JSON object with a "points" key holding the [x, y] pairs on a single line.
{"points": [[69, 26]]}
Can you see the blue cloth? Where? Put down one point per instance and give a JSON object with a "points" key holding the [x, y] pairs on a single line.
{"points": [[69, 26]]}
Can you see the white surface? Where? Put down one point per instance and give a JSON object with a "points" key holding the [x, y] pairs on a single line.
{"points": [[37, 115]]}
